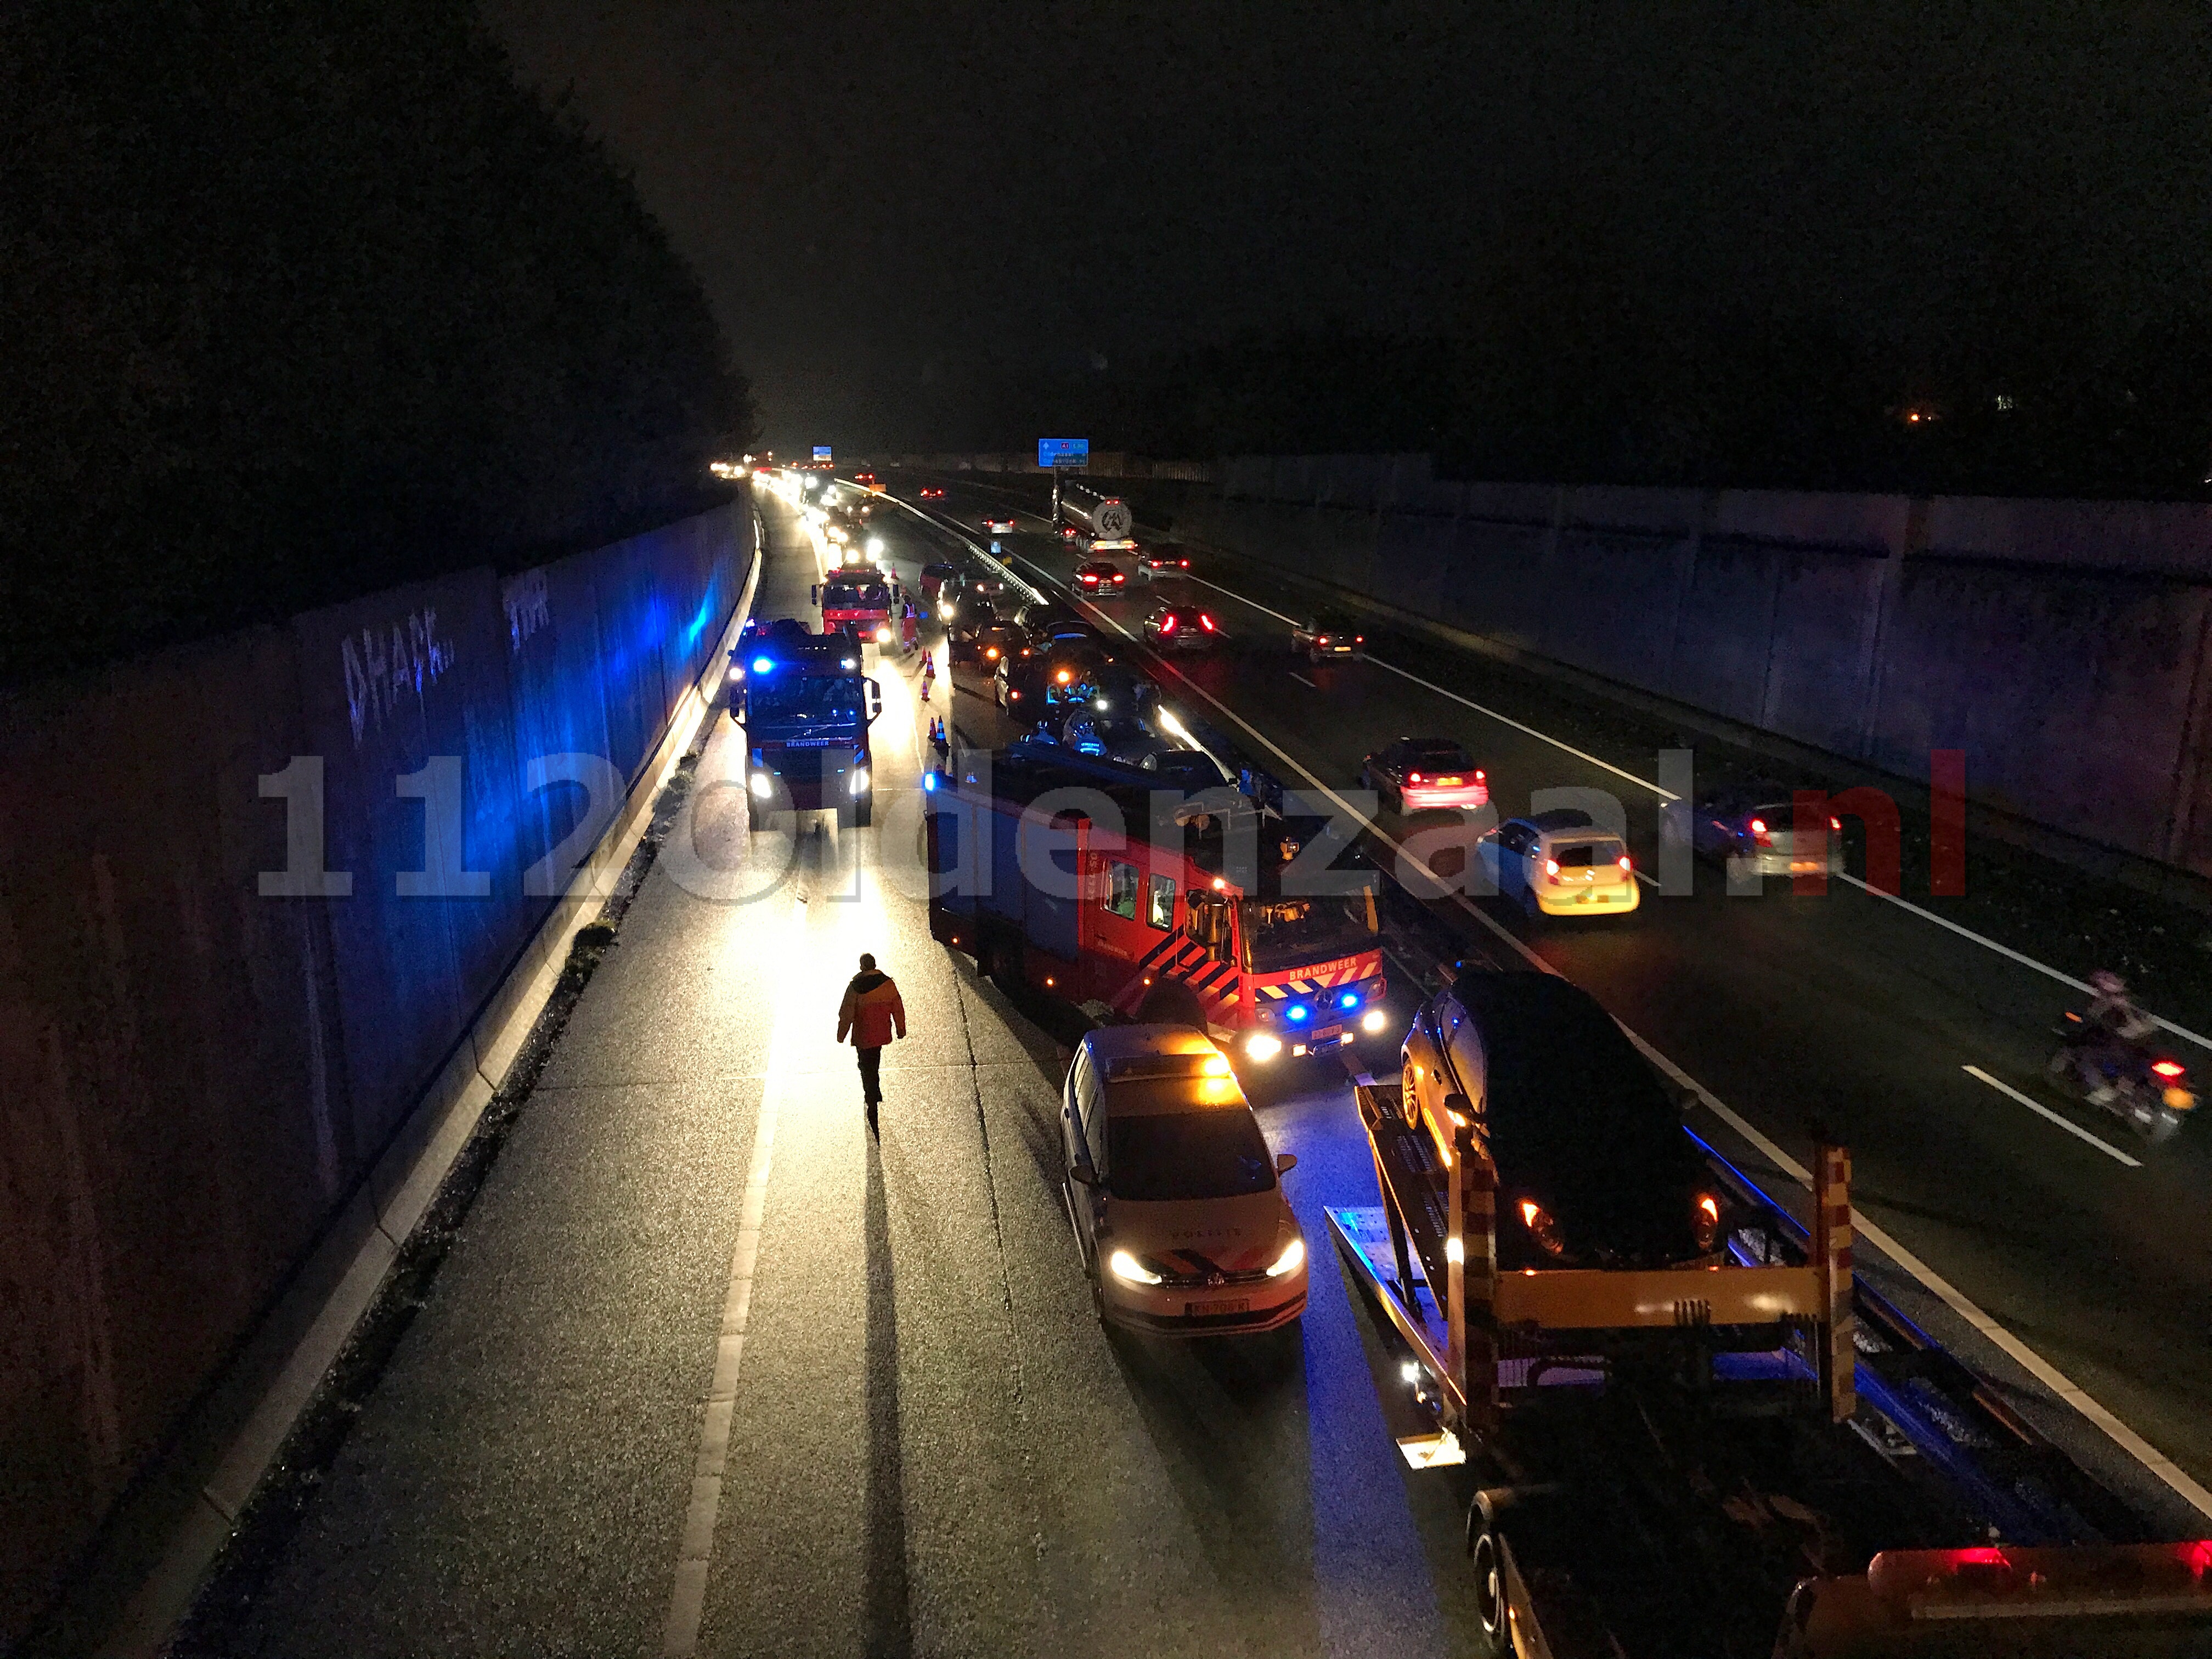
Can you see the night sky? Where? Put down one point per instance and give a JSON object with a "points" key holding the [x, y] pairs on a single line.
{"points": [[917, 223]]}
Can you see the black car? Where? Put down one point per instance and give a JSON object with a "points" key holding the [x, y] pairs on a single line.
{"points": [[1109, 735], [1183, 628], [1329, 634], [1594, 1167], [1043, 682], [1157, 559], [1183, 769], [1100, 576]]}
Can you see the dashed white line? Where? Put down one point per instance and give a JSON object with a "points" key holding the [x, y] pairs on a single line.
{"points": [[1986, 943], [1301, 679], [2043, 1111], [2060, 1385]]}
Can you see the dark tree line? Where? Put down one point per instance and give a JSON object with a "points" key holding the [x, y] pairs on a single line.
{"points": [[300, 301], [1565, 369]]}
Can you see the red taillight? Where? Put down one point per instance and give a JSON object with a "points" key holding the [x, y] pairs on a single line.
{"points": [[1206, 622], [1359, 639], [1186, 564], [1835, 823], [1412, 777], [1551, 869], [2168, 1069], [1323, 640], [1625, 864], [1166, 624], [1759, 826], [1479, 777]]}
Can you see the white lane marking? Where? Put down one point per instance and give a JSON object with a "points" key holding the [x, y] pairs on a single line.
{"points": [[1301, 679], [687, 1598], [1469, 702], [2061, 1386], [1986, 943], [2043, 1111], [2011, 955], [2027, 1358]]}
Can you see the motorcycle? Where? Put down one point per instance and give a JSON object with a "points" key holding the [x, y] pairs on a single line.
{"points": [[2149, 1092]]}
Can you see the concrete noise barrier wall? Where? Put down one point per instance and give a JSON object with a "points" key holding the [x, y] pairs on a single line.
{"points": [[253, 893], [2060, 644]]}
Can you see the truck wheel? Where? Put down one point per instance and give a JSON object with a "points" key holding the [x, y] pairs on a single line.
{"points": [[1491, 1638]]}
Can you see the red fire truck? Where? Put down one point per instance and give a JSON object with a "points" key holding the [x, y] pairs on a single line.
{"points": [[863, 602], [1083, 880]]}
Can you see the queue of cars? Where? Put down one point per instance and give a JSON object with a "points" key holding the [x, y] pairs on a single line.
{"points": [[1173, 1199]]}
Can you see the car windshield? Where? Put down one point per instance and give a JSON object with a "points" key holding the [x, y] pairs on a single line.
{"points": [[799, 699], [855, 596], [1280, 934], [1171, 1155], [1438, 758], [1581, 855]]}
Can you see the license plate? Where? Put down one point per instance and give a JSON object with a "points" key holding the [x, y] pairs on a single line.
{"points": [[1328, 1033], [1201, 1309]]}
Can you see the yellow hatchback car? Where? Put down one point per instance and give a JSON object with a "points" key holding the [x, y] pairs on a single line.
{"points": [[1560, 864]]}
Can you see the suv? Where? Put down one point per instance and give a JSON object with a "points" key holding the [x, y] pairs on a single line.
{"points": [[1179, 1216], [1595, 1169], [1560, 864]]}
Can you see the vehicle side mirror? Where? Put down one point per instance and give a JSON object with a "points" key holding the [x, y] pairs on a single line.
{"points": [[1285, 1162], [1460, 1105], [1083, 1177], [875, 697], [814, 594]]}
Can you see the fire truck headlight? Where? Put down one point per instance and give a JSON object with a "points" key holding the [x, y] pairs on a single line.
{"points": [[875, 543], [760, 787], [1261, 1046], [1374, 1020], [883, 636], [860, 782]]}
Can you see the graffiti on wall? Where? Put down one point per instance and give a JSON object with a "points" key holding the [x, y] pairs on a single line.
{"points": [[382, 667], [528, 607]]}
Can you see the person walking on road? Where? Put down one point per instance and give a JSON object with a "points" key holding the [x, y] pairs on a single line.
{"points": [[870, 1014]]}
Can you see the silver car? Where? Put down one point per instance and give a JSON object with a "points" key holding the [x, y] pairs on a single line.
{"points": [[1752, 829]]}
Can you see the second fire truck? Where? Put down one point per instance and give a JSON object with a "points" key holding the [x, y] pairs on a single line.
{"points": [[1082, 879]]}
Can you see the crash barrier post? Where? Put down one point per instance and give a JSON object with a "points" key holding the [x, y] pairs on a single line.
{"points": [[1831, 1254], [1470, 1258]]}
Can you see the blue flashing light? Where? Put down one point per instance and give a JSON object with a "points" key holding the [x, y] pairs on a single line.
{"points": [[762, 665], [1349, 999], [929, 782], [1297, 1014]]}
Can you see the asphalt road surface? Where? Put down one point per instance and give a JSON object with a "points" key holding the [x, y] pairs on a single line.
{"points": [[710, 1371], [2088, 1253]]}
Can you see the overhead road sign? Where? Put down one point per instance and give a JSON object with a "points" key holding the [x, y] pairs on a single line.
{"points": [[1064, 454], [821, 452]]}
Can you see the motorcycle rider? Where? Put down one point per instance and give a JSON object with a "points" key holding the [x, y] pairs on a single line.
{"points": [[2113, 1028]]}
